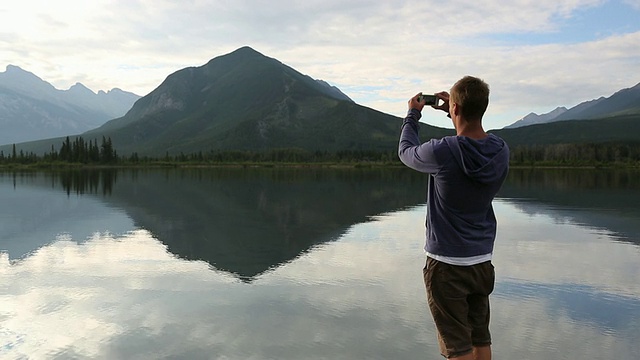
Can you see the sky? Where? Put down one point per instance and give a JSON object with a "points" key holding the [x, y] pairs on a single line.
{"points": [[535, 55]]}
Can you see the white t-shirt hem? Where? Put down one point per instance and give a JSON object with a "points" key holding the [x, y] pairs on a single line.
{"points": [[461, 261]]}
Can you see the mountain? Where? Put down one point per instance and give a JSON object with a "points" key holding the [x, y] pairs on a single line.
{"points": [[621, 103], [616, 129], [333, 91], [245, 100], [534, 118], [31, 108]]}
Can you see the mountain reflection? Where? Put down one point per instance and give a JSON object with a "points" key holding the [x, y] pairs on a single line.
{"points": [[605, 200], [247, 221]]}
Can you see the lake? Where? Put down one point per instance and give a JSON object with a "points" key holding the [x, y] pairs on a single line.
{"points": [[303, 263]]}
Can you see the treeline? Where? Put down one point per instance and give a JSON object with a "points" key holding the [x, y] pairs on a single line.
{"points": [[80, 151], [288, 156], [627, 154]]}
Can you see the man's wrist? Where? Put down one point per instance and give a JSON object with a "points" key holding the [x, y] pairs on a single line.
{"points": [[414, 114]]}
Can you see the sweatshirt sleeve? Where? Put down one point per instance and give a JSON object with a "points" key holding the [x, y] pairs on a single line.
{"points": [[412, 153]]}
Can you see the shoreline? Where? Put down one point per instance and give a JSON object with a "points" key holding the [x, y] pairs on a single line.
{"points": [[327, 165]]}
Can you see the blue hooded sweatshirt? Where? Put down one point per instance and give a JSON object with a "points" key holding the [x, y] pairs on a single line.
{"points": [[464, 176]]}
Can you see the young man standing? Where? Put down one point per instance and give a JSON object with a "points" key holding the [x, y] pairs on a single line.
{"points": [[465, 173]]}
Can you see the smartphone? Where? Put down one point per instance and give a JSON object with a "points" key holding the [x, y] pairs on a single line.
{"points": [[429, 99]]}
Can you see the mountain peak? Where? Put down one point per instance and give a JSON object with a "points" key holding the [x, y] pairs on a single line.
{"points": [[245, 53], [14, 72], [25, 82], [246, 49], [79, 88], [242, 53], [14, 68]]}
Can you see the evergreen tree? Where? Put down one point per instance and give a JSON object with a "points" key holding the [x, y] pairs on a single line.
{"points": [[107, 154]]}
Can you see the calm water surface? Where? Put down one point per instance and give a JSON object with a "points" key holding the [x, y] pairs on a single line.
{"points": [[302, 264]]}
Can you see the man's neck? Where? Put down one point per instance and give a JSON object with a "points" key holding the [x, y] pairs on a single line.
{"points": [[472, 130]]}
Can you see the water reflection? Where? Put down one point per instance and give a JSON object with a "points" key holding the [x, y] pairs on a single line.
{"points": [[604, 200], [105, 298], [563, 290], [329, 264], [361, 297], [579, 302], [247, 221], [36, 209], [244, 221], [99, 181]]}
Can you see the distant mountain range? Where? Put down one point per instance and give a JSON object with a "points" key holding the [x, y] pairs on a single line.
{"points": [[32, 109], [247, 101], [622, 103]]}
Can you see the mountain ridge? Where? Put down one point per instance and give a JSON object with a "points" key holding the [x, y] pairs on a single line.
{"points": [[246, 101], [622, 102], [32, 109], [533, 118]]}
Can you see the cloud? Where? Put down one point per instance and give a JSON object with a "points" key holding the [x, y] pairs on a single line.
{"points": [[378, 53], [633, 4]]}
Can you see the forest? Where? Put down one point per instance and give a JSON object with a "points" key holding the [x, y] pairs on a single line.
{"points": [[77, 151], [599, 154], [80, 152]]}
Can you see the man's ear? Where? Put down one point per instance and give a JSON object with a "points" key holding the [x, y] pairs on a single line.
{"points": [[455, 109]]}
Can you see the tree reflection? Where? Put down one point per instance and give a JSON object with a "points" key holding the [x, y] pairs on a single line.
{"points": [[84, 181]]}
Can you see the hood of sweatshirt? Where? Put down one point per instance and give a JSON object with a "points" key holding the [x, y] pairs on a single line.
{"points": [[485, 160]]}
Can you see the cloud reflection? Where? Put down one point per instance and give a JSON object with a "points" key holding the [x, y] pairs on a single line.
{"points": [[128, 297], [68, 298], [531, 245], [358, 297], [563, 289]]}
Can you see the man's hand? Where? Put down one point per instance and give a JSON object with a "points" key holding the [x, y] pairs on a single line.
{"points": [[444, 96], [414, 103]]}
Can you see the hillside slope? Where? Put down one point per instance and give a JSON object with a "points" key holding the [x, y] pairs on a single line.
{"points": [[624, 129]]}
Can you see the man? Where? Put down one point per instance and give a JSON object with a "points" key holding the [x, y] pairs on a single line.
{"points": [[465, 173]]}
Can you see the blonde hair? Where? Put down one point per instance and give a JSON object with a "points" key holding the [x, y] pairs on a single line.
{"points": [[472, 96]]}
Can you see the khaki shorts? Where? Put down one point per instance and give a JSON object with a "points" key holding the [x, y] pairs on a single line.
{"points": [[459, 302]]}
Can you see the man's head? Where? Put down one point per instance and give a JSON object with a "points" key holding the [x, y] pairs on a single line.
{"points": [[471, 95]]}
